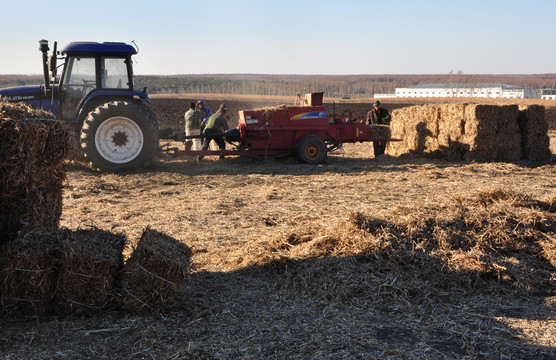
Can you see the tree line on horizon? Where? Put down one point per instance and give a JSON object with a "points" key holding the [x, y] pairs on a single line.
{"points": [[338, 86]]}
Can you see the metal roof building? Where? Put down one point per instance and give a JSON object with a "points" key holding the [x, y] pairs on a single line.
{"points": [[548, 94], [482, 90]]}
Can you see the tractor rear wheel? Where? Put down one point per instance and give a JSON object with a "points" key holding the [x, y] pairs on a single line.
{"points": [[120, 135], [311, 149]]}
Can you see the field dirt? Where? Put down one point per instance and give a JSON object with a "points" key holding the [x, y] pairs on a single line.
{"points": [[277, 271]]}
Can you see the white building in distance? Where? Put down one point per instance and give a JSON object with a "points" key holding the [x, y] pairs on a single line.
{"points": [[464, 90], [548, 94]]}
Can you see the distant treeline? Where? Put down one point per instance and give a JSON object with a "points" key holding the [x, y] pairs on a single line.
{"points": [[352, 86]]}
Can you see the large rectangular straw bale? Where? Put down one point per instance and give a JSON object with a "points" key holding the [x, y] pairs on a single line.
{"points": [[451, 131], [430, 115], [507, 117], [154, 273], [32, 153], [532, 120], [455, 127], [28, 274], [480, 121], [408, 126], [90, 261], [550, 116], [534, 133]]}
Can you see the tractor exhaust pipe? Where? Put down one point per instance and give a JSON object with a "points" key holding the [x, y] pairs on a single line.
{"points": [[43, 47]]}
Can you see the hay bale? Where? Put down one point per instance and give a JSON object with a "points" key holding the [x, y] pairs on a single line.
{"points": [[90, 261], [155, 271], [454, 128], [380, 132], [32, 168], [408, 125], [29, 273], [470, 132], [533, 127]]}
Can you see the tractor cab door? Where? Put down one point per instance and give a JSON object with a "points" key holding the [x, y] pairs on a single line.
{"points": [[115, 73], [79, 79]]}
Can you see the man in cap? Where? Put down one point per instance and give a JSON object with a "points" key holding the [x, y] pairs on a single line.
{"points": [[216, 124], [192, 123], [378, 116]]}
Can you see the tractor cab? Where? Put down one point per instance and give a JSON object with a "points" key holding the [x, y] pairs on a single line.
{"points": [[91, 70]]}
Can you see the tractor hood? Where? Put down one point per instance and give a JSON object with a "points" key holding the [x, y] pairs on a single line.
{"points": [[22, 93], [32, 95]]}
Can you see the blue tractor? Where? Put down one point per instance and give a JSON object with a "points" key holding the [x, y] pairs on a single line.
{"points": [[95, 94]]}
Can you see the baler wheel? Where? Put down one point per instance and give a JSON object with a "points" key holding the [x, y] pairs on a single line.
{"points": [[311, 149]]}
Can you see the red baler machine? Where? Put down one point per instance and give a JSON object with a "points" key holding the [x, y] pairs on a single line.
{"points": [[304, 131]]}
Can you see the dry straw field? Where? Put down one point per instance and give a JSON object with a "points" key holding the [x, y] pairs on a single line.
{"points": [[401, 257]]}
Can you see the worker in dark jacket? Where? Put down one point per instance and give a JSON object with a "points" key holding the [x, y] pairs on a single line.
{"points": [[205, 113], [378, 116], [216, 124]]}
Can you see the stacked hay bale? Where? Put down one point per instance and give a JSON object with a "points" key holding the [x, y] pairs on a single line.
{"points": [[90, 261], [32, 153], [28, 275], [533, 127], [81, 272], [492, 133], [156, 270], [470, 132], [43, 268], [68, 272]]}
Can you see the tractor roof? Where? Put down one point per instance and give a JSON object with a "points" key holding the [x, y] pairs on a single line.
{"points": [[96, 48]]}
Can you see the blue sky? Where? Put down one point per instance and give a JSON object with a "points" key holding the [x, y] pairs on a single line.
{"points": [[294, 37]]}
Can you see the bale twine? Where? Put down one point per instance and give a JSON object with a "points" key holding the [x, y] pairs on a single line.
{"points": [[468, 132], [535, 142], [28, 275], [155, 271], [90, 261], [32, 168]]}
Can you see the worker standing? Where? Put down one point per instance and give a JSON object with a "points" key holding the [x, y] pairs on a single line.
{"points": [[205, 112], [378, 116], [216, 124], [192, 127]]}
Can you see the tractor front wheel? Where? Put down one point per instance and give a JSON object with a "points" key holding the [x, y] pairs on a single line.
{"points": [[120, 135], [311, 149]]}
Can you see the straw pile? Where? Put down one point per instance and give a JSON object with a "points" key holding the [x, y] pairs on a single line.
{"points": [[535, 142], [469, 132], [270, 110], [28, 274], [156, 270], [32, 153], [90, 261], [495, 239]]}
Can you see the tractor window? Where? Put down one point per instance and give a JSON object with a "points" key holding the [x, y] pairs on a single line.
{"points": [[80, 73], [114, 73], [79, 80]]}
